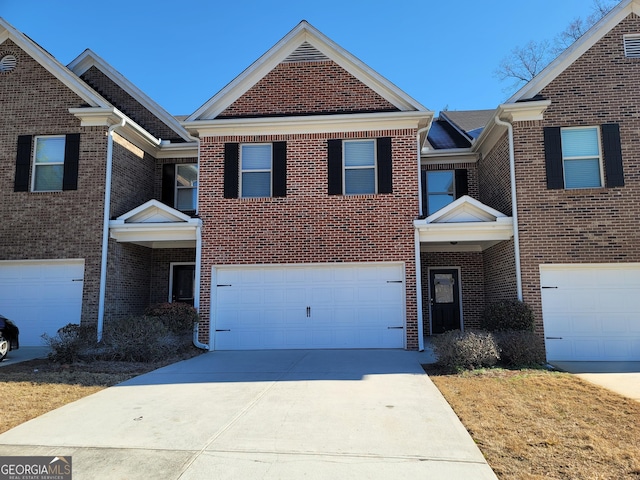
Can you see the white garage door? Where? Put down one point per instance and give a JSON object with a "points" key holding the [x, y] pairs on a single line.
{"points": [[591, 312], [41, 297], [310, 306]]}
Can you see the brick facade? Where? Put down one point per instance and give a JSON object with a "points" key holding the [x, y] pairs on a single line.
{"points": [[50, 225], [594, 225], [307, 88], [308, 225]]}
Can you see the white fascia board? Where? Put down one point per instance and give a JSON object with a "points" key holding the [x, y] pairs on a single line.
{"points": [[154, 204], [88, 59], [465, 232], [178, 150], [462, 203], [510, 112], [578, 48], [53, 66], [448, 156], [149, 232], [281, 50], [357, 122]]}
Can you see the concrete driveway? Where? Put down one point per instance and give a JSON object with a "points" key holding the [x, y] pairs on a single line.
{"points": [[620, 377], [263, 414]]}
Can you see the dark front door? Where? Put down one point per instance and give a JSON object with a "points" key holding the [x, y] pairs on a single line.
{"points": [[183, 279], [445, 300]]}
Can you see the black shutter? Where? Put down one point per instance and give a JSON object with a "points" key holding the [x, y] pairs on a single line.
{"points": [[425, 203], [553, 157], [23, 162], [462, 182], [168, 184], [71, 160], [334, 166], [612, 155], [279, 169], [231, 172], [385, 168]]}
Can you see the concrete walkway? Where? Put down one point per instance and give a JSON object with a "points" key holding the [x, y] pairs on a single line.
{"points": [[265, 414], [620, 377]]}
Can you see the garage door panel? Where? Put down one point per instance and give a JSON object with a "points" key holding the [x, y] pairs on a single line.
{"points": [[41, 296], [591, 312], [309, 306]]}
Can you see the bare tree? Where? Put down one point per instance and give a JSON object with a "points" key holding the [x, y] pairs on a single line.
{"points": [[524, 63]]}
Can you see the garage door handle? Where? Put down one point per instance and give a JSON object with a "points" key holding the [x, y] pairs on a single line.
{"points": [[553, 338], [227, 330], [77, 279], [395, 328]]}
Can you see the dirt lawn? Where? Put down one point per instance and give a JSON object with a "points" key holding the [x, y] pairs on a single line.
{"points": [[535, 424]]}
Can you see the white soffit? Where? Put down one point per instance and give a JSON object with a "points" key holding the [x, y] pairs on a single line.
{"points": [[281, 51]]}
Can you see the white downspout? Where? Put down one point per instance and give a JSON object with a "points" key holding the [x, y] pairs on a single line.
{"points": [[514, 205], [196, 302], [417, 245], [105, 226]]}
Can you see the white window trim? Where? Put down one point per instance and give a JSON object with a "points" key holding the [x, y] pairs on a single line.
{"points": [[176, 187], [241, 171], [453, 175], [632, 45], [34, 164], [600, 158], [367, 167]]}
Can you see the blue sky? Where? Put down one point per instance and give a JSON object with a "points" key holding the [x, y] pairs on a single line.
{"points": [[442, 53]]}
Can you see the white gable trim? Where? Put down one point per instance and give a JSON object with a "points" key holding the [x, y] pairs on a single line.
{"points": [[303, 32], [52, 65], [156, 225], [578, 48], [88, 59]]}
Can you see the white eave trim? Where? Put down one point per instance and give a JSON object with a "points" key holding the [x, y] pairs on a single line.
{"points": [[88, 59], [99, 117], [448, 156], [500, 229], [303, 32], [509, 112], [309, 124], [578, 48]]}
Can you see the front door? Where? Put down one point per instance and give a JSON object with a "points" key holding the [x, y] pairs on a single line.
{"points": [[182, 283], [445, 300]]}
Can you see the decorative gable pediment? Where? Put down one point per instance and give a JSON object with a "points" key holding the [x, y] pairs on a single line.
{"points": [[153, 211], [464, 210]]}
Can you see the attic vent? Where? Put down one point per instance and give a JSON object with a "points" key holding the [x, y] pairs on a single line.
{"points": [[632, 46], [8, 63], [306, 53]]}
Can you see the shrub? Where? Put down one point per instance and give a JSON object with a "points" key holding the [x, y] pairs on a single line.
{"points": [[507, 315], [520, 348], [458, 350], [69, 343], [138, 339], [177, 317]]}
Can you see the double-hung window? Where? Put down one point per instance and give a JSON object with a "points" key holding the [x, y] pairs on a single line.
{"points": [[186, 186], [359, 167], [48, 164], [440, 190], [255, 170], [581, 157]]}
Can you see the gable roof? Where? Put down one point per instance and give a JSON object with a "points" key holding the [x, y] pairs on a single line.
{"points": [[305, 42], [579, 47], [53, 66], [469, 122], [88, 59]]}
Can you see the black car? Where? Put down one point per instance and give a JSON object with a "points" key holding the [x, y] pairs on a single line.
{"points": [[8, 336]]}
